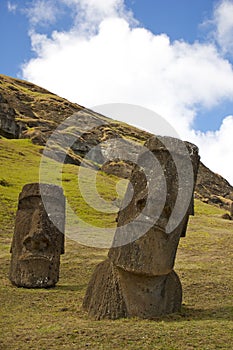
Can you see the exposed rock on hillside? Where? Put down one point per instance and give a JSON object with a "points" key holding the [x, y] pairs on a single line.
{"points": [[29, 111], [212, 188]]}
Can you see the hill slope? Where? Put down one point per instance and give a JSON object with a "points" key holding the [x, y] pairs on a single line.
{"points": [[29, 111]]}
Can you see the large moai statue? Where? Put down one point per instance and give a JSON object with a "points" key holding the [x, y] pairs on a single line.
{"points": [[137, 279], [38, 238]]}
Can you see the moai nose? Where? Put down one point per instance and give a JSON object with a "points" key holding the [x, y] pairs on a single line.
{"points": [[37, 239]]}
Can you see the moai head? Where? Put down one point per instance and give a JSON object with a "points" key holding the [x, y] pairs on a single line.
{"points": [[38, 237], [149, 228]]}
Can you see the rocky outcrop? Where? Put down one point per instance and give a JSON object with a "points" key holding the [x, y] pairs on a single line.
{"points": [[29, 111], [212, 188], [9, 128], [118, 167]]}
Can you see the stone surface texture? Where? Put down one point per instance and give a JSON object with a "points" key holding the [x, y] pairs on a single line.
{"points": [[38, 238], [139, 269]]}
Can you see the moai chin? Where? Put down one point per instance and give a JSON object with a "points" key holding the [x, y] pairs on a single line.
{"points": [[137, 279], [38, 238]]}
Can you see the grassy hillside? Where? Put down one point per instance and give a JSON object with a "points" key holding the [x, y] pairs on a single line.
{"points": [[54, 319]]}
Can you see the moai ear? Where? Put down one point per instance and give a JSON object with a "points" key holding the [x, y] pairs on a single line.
{"points": [[63, 244]]}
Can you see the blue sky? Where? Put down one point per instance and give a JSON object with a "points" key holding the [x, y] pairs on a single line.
{"points": [[181, 21], [172, 56]]}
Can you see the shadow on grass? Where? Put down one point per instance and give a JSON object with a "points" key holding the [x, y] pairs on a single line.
{"points": [[224, 312], [191, 314], [72, 288]]}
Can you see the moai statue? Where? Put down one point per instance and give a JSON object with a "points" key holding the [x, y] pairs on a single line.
{"points": [[38, 237], [137, 279]]}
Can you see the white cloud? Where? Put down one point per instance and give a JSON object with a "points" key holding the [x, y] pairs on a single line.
{"points": [[217, 148], [85, 15], [89, 13], [11, 6], [221, 25], [223, 17], [42, 12], [124, 63]]}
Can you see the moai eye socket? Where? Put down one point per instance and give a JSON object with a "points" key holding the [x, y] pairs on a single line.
{"points": [[30, 203], [36, 243], [141, 203]]}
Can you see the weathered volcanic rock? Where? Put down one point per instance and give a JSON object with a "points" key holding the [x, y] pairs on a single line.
{"points": [[142, 244], [29, 111], [114, 293], [38, 237], [104, 297], [118, 167], [226, 216], [8, 125], [212, 188], [139, 271]]}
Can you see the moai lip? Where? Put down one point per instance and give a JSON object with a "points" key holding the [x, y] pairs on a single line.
{"points": [[138, 278], [38, 239]]}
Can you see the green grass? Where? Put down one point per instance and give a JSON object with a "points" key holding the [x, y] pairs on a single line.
{"points": [[19, 165], [54, 319], [20, 162]]}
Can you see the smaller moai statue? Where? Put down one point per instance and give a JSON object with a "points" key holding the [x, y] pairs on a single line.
{"points": [[138, 278], [38, 239]]}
